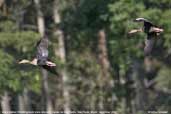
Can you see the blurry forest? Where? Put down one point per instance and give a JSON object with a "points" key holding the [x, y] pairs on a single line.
{"points": [[101, 67]]}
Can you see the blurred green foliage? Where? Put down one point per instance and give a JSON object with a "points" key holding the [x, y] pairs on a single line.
{"points": [[81, 20]]}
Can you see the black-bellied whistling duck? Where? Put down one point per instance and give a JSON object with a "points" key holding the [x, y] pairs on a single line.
{"points": [[41, 58], [151, 30]]}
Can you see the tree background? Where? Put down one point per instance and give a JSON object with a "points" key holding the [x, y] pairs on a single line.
{"points": [[101, 66]]}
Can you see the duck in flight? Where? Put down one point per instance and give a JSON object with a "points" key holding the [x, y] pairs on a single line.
{"points": [[151, 30], [41, 58]]}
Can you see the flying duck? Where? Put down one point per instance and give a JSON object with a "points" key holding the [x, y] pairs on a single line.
{"points": [[151, 30], [41, 58]]}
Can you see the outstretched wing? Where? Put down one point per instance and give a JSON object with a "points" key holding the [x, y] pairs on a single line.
{"points": [[143, 20], [147, 24], [149, 43], [51, 69], [43, 42], [42, 49]]}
